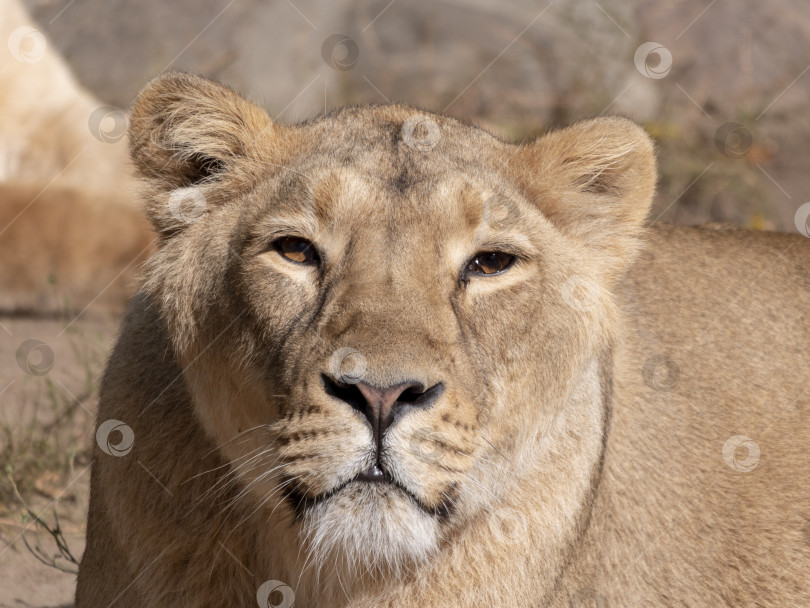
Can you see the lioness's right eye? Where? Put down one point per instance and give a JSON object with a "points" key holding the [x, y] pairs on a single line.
{"points": [[490, 262], [296, 249]]}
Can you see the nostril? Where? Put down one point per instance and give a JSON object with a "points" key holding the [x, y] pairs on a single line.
{"points": [[417, 396], [349, 393], [410, 395]]}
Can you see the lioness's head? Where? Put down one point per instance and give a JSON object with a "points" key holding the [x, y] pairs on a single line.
{"points": [[381, 310]]}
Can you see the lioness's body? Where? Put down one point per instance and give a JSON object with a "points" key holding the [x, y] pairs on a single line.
{"points": [[670, 520], [673, 523], [565, 469]]}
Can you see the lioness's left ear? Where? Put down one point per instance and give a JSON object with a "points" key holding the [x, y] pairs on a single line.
{"points": [[186, 131], [595, 180]]}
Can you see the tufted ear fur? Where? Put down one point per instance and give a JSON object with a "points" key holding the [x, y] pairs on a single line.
{"points": [[595, 181], [195, 143]]}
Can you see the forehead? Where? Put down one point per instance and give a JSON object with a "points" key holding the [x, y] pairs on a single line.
{"points": [[395, 161], [401, 134]]}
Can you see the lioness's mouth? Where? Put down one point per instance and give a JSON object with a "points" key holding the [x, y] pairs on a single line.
{"points": [[373, 476]]}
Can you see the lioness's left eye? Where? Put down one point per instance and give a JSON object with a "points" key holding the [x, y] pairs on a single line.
{"points": [[490, 262], [296, 249]]}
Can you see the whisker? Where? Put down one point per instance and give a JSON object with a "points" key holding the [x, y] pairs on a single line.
{"points": [[237, 436], [227, 464]]}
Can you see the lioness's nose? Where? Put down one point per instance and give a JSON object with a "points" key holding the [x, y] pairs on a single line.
{"points": [[380, 405]]}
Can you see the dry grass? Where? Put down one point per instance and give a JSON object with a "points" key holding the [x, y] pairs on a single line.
{"points": [[48, 440]]}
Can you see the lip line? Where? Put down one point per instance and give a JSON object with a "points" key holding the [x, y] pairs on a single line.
{"points": [[301, 503]]}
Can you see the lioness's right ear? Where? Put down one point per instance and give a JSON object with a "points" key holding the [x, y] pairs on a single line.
{"points": [[186, 131], [595, 181]]}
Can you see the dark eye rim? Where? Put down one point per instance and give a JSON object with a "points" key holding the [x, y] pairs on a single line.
{"points": [[467, 267], [315, 260]]}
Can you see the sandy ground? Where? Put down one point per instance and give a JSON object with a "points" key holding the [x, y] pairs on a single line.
{"points": [[79, 348], [27, 582]]}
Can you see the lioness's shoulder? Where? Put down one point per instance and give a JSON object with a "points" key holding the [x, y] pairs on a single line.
{"points": [[721, 250]]}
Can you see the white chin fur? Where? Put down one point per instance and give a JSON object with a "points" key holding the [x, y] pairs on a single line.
{"points": [[369, 528]]}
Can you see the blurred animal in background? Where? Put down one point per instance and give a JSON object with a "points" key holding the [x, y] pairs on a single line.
{"points": [[71, 236]]}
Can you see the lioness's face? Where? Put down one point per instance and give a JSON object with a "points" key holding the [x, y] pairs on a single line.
{"points": [[381, 288], [377, 321]]}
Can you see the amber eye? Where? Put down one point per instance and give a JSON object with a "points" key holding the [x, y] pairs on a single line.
{"points": [[297, 249], [490, 262]]}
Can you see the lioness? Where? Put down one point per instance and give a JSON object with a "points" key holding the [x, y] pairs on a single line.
{"points": [[383, 358]]}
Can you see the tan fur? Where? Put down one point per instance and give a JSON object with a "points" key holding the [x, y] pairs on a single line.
{"points": [[556, 468]]}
